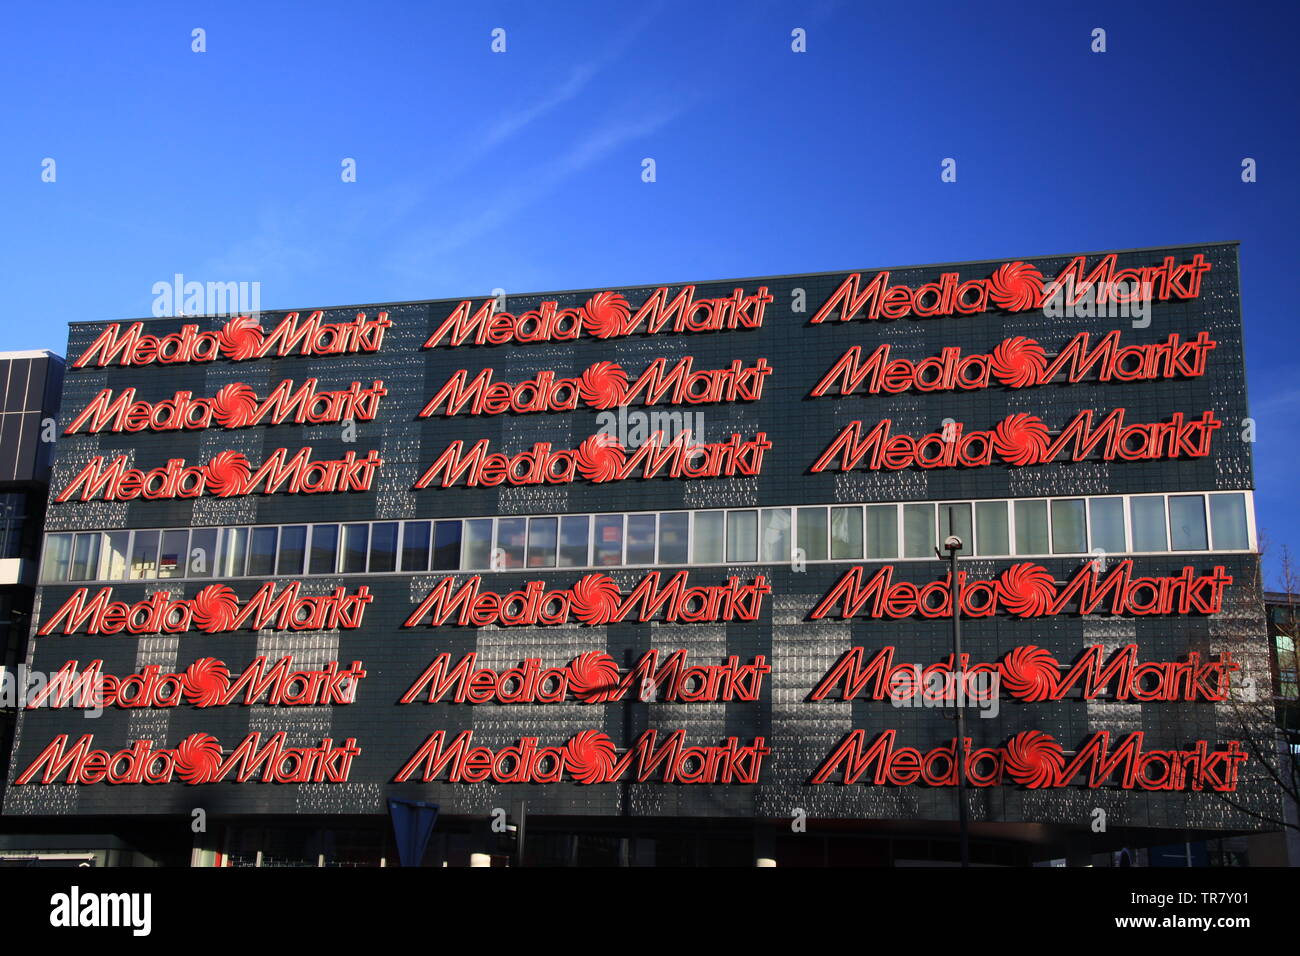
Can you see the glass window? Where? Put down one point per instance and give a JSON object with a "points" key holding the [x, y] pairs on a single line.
{"points": [[609, 540], [1187, 522], [1031, 528], [511, 534], [1149, 523], [811, 537], [1106, 522], [13, 508], [234, 550], [1069, 526], [991, 532], [1228, 522], [956, 519], [641, 539], [356, 541], [415, 547], [85, 557], [542, 534], [261, 552], [918, 531], [293, 549], [324, 548], [446, 546], [846, 533], [708, 533], [575, 532], [203, 552], [882, 531], [113, 555], [175, 548], [478, 544], [144, 555], [58, 556], [774, 540], [383, 547], [674, 527], [742, 536]]}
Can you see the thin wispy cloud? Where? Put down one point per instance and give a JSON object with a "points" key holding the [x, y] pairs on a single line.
{"points": [[508, 203]]}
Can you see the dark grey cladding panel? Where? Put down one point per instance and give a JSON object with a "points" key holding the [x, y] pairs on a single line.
{"points": [[801, 733]]}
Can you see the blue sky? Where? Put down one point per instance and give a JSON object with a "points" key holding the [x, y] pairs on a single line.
{"points": [[521, 170]]}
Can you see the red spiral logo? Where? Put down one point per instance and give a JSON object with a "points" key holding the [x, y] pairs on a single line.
{"points": [[594, 677], [1016, 286], [595, 599], [1018, 362], [1034, 759], [198, 757], [1030, 673], [603, 384], [241, 337], [1021, 439], [600, 457], [205, 681], [1027, 589], [590, 756], [226, 473], [604, 314], [235, 405], [215, 608]]}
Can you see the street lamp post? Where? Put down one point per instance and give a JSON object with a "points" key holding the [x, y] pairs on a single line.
{"points": [[952, 544]]}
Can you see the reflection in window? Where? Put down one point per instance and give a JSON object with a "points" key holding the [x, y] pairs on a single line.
{"points": [[144, 555], [1187, 522], [293, 549], [882, 531], [85, 557], [742, 536], [324, 548], [575, 532], [991, 532], [708, 533], [510, 543], [1149, 523], [1031, 528], [113, 555], [846, 533], [1106, 517], [1069, 527], [1228, 522], [171, 562], [356, 541], [542, 533], [956, 519], [774, 535], [478, 544], [811, 536], [673, 530], [918, 531], [203, 553], [58, 555], [641, 539], [608, 547], [234, 549], [415, 547]]}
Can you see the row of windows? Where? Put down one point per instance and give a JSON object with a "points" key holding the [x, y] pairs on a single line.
{"points": [[1021, 527]]}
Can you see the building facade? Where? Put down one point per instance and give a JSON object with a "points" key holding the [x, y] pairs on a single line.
{"points": [[659, 566]]}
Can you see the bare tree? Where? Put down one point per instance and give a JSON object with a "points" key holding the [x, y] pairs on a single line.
{"points": [[1266, 711]]}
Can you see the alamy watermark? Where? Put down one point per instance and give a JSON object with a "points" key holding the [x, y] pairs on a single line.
{"points": [[180, 298]]}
